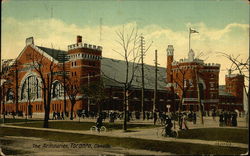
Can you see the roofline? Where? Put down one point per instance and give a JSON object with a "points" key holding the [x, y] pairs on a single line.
{"points": [[40, 51]]}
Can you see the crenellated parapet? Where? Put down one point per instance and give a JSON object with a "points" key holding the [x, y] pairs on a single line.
{"points": [[212, 64], [84, 45]]}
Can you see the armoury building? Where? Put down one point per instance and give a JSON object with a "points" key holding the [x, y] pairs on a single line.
{"points": [[84, 64]]}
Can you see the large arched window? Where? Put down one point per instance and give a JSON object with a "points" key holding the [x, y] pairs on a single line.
{"points": [[31, 88], [57, 90], [10, 95]]}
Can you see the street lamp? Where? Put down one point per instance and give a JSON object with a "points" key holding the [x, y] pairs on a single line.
{"points": [[168, 107]]}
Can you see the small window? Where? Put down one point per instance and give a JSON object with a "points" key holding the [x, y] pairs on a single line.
{"points": [[75, 63], [72, 64]]}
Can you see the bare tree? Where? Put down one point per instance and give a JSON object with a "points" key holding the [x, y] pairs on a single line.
{"points": [[46, 70], [72, 89], [180, 81], [13, 72], [240, 66], [129, 45], [96, 91]]}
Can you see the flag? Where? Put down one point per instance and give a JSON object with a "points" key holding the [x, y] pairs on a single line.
{"points": [[192, 31]]}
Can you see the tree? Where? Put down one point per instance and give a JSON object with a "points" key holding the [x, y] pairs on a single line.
{"points": [[96, 91], [181, 83], [13, 68], [240, 66], [45, 68], [6, 84], [129, 50], [72, 89]]}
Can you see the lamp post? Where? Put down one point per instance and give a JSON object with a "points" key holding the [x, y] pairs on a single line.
{"points": [[168, 107]]}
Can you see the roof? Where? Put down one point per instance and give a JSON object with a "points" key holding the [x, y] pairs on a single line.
{"points": [[55, 53], [222, 91], [114, 71]]}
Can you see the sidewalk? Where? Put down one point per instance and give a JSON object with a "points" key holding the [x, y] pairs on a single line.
{"points": [[147, 134]]}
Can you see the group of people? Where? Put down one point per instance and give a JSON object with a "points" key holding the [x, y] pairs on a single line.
{"points": [[228, 119], [58, 116]]}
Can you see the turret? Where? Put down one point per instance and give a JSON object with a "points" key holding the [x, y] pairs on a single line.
{"points": [[191, 55], [170, 59]]}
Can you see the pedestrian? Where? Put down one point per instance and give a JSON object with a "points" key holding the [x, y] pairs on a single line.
{"points": [[155, 117], [62, 116], [184, 118], [221, 120], [225, 118], [213, 115], [180, 120], [54, 115], [234, 119], [13, 114], [194, 118], [147, 114]]}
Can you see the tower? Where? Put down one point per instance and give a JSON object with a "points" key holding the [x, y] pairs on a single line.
{"points": [[170, 59], [85, 60], [84, 65], [191, 55], [235, 86]]}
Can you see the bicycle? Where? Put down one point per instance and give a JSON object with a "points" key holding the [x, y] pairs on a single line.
{"points": [[161, 132], [95, 129]]}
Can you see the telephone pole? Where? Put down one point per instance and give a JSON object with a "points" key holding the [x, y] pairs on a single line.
{"points": [[155, 90], [142, 77], [199, 96], [64, 84], [88, 96]]}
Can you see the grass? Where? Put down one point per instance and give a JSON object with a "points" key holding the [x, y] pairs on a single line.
{"points": [[74, 125], [11, 120], [132, 143], [9, 151], [220, 134]]}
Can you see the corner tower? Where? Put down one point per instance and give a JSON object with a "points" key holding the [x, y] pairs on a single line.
{"points": [[235, 86], [170, 59], [84, 61]]}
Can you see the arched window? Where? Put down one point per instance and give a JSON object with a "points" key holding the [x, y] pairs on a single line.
{"points": [[10, 95], [57, 90], [31, 88]]}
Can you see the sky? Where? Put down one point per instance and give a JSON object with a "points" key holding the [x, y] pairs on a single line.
{"points": [[223, 26]]}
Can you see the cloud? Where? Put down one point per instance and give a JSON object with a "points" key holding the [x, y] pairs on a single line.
{"points": [[232, 39]]}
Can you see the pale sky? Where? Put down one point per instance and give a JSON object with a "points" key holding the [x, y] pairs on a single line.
{"points": [[223, 26]]}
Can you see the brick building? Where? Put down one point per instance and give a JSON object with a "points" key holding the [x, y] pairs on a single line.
{"points": [[231, 95], [83, 64], [185, 76]]}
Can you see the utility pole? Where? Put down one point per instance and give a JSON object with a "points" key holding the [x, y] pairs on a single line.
{"points": [[155, 90], [64, 84], [199, 95], [88, 95], [63, 57], [142, 77]]}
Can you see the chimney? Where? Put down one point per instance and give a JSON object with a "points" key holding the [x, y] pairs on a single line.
{"points": [[78, 39], [29, 41]]}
